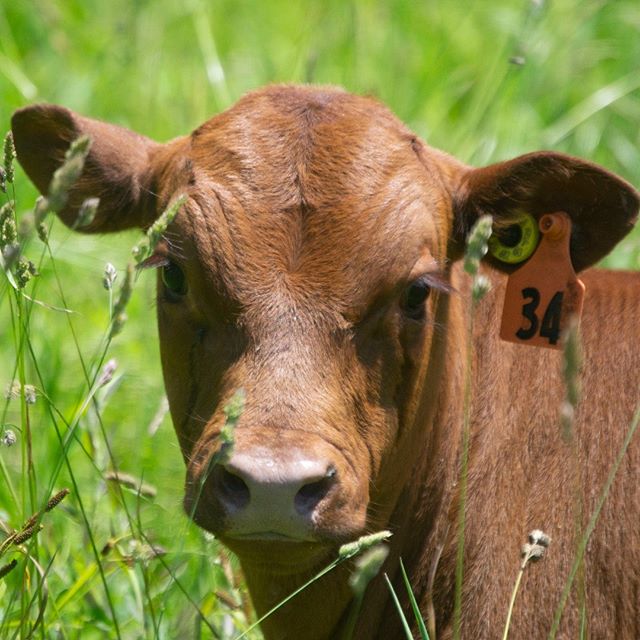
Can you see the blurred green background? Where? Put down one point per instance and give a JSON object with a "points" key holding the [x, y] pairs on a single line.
{"points": [[484, 81]]}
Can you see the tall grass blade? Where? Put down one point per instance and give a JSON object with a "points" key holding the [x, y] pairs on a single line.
{"points": [[396, 602], [424, 634], [477, 247]]}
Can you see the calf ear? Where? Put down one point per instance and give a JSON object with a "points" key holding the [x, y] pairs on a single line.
{"points": [[117, 169], [603, 207]]}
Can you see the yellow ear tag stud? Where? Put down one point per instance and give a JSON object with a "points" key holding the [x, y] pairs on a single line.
{"points": [[518, 241], [544, 294]]}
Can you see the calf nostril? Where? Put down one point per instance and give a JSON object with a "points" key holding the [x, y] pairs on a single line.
{"points": [[310, 495], [233, 490]]}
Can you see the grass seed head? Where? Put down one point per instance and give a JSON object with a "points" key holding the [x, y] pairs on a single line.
{"points": [[539, 537], [235, 407], [8, 231], [6, 211], [232, 411], [87, 213], [109, 277], [13, 390], [477, 244], [26, 534], [10, 566], [368, 566], [30, 394], [9, 157], [56, 499], [158, 228], [106, 375], [53, 502], [147, 245], [65, 176], [363, 543], [481, 286], [25, 270], [8, 438], [535, 549], [43, 232]]}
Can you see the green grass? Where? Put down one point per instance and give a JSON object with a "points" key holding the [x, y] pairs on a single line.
{"points": [[453, 71]]}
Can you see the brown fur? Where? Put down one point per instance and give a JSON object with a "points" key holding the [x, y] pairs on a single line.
{"points": [[310, 211]]}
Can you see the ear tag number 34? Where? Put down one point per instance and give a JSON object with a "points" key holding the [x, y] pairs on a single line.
{"points": [[545, 293]]}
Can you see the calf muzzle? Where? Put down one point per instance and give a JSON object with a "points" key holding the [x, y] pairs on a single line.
{"points": [[267, 498], [286, 493]]}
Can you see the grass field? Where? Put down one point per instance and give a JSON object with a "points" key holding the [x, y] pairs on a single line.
{"points": [[484, 81]]}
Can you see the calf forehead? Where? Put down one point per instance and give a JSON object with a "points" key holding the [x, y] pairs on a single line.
{"points": [[318, 185], [320, 145]]}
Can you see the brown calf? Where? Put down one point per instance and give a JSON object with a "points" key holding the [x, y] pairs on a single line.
{"points": [[316, 266]]}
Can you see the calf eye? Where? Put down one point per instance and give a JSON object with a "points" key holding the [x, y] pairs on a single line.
{"points": [[174, 281], [414, 298]]}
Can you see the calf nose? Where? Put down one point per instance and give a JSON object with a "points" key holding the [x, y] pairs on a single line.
{"points": [[263, 493]]}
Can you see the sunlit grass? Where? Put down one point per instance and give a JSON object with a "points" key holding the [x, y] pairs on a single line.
{"points": [[484, 81]]}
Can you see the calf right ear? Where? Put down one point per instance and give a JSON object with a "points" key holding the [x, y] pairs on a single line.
{"points": [[117, 169]]}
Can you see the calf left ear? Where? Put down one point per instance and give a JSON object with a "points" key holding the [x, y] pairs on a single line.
{"points": [[117, 169], [603, 207]]}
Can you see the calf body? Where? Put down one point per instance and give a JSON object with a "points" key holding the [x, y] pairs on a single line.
{"points": [[315, 265]]}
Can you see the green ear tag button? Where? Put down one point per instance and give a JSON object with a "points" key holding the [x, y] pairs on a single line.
{"points": [[517, 242]]}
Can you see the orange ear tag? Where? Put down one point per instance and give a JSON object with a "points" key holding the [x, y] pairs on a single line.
{"points": [[545, 293]]}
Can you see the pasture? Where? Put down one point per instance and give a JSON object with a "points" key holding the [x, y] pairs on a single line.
{"points": [[119, 558]]}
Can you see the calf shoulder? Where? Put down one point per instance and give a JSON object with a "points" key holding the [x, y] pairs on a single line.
{"points": [[527, 472]]}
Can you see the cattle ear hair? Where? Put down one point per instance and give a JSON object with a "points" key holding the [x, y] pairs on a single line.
{"points": [[603, 207], [117, 169]]}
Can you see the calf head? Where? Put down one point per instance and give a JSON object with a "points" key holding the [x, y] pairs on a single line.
{"points": [[310, 267]]}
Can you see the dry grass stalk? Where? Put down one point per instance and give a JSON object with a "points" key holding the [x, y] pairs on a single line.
{"points": [[532, 551]]}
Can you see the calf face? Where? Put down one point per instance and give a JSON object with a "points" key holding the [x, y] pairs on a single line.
{"points": [[309, 267]]}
